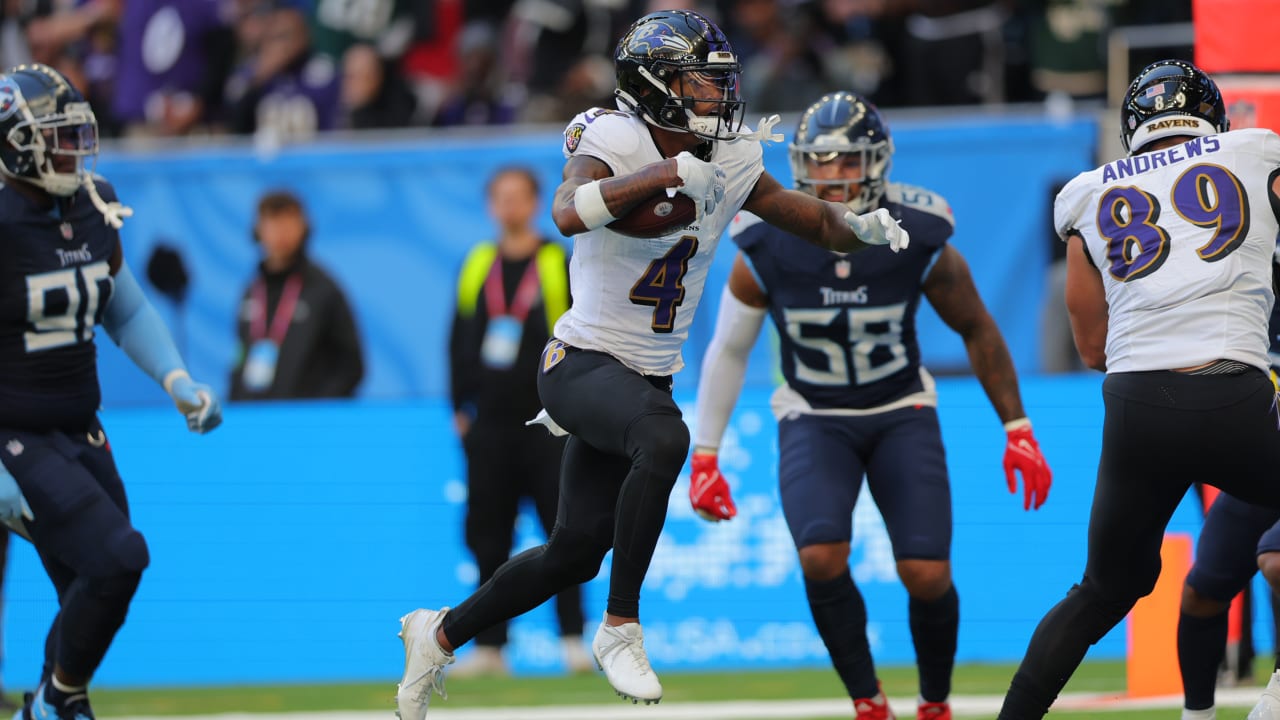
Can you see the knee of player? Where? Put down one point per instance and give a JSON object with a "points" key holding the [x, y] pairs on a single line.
{"points": [[661, 440], [1196, 604], [1269, 564], [572, 557], [925, 579], [824, 561], [125, 554], [1110, 600]]}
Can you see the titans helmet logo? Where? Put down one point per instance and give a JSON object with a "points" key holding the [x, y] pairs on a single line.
{"points": [[8, 100]]}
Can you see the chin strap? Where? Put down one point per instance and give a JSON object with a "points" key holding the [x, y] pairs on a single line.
{"points": [[764, 132], [113, 213]]}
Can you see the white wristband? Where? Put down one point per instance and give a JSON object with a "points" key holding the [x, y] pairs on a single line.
{"points": [[1018, 424], [589, 203], [173, 377]]}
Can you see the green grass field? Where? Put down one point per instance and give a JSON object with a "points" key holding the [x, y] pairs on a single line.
{"points": [[1098, 677]]}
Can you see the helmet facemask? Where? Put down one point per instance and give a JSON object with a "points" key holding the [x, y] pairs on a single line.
{"points": [[859, 170], [59, 148], [702, 99]]}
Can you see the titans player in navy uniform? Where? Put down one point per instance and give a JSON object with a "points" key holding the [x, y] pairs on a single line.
{"points": [[63, 275], [856, 399]]}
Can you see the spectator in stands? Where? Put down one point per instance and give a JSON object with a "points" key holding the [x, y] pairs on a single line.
{"points": [[173, 62], [387, 25], [298, 338], [953, 52], [564, 59], [52, 27], [479, 95], [785, 61], [284, 91], [373, 95]]}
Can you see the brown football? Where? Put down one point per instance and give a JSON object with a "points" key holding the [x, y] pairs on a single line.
{"points": [[657, 215]]}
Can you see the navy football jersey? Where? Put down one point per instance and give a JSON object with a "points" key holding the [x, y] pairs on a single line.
{"points": [[847, 324], [54, 285]]}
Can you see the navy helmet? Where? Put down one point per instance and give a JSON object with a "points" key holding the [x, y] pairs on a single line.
{"points": [[836, 127], [47, 130]]}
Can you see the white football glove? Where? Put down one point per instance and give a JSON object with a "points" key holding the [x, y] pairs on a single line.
{"points": [[703, 181], [878, 228]]}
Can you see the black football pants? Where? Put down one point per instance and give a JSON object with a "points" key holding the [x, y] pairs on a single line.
{"points": [[1162, 432], [627, 446]]}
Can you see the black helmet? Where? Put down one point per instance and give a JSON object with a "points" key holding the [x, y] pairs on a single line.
{"points": [[838, 124], [659, 60], [1170, 97], [46, 129]]}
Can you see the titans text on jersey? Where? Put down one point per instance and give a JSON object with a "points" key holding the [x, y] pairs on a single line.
{"points": [[850, 340], [57, 282]]}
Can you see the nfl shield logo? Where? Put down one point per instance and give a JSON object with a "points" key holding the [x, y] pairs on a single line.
{"points": [[842, 269], [66, 231]]}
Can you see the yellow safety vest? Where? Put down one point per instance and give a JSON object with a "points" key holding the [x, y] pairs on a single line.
{"points": [[552, 278]]}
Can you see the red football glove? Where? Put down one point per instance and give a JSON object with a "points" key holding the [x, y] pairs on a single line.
{"points": [[708, 492], [1023, 453]]}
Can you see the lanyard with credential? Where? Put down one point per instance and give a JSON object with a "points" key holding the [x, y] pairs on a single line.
{"points": [[284, 309], [495, 299]]}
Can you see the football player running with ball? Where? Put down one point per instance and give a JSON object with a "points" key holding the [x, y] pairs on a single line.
{"points": [[64, 274], [1169, 290], [606, 374], [856, 399]]}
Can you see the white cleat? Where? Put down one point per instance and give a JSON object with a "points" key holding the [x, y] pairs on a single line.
{"points": [[1268, 707], [424, 663], [620, 654]]}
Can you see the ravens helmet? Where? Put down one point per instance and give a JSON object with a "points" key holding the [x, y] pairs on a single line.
{"points": [[667, 61], [844, 127], [1170, 97], [47, 129]]}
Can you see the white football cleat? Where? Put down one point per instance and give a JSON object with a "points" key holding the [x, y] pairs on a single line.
{"points": [[424, 663], [620, 654], [1268, 707]]}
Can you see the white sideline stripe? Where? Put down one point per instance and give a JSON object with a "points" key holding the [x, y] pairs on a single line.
{"points": [[961, 706]]}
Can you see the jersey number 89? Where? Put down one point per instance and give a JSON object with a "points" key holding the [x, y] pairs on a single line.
{"points": [[1206, 195]]}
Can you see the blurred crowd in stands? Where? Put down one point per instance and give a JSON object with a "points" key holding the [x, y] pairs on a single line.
{"points": [[288, 69]]}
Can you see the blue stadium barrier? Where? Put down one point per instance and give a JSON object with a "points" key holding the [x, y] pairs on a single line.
{"points": [[393, 220], [286, 544]]}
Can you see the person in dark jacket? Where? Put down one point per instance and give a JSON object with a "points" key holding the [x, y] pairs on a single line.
{"points": [[298, 337]]}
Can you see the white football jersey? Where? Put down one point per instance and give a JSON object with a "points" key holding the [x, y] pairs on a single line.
{"points": [[634, 298], [1183, 238]]}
